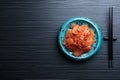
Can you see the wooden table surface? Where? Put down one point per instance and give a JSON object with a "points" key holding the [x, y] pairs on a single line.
{"points": [[28, 40]]}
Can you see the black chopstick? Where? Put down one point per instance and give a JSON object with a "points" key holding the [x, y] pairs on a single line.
{"points": [[110, 45]]}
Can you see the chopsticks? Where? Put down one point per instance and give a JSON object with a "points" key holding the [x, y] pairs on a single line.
{"points": [[110, 39]]}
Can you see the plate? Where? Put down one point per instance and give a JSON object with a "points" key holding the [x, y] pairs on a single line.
{"points": [[97, 37]]}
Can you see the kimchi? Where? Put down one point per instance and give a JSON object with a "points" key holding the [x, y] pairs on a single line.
{"points": [[78, 39]]}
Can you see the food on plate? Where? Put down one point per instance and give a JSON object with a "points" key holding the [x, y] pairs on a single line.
{"points": [[78, 39]]}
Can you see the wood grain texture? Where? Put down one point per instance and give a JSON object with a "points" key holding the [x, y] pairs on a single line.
{"points": [[28, 44]]}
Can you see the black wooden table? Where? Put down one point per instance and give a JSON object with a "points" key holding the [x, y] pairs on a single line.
{"points": [[28, 43]]}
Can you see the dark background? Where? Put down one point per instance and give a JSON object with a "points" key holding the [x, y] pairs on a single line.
{"points": [[28, 47]]}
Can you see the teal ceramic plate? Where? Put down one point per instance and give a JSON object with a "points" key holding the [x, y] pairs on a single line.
{"points": [[80, 21]]}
